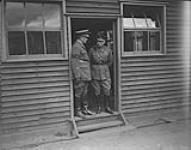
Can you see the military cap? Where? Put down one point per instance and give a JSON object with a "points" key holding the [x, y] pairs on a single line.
{"points": [[84, 33]]}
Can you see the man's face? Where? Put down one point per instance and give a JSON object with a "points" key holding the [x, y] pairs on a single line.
{"points": [[84, 39], [100, 42]]}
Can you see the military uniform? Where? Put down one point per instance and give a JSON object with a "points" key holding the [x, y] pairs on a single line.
{"points": [[101, 59], [81, 75], [80, 68]]}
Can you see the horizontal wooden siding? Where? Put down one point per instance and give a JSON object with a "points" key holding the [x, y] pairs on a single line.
{"points": [[150, 83], [34, 94], [92, 6]]}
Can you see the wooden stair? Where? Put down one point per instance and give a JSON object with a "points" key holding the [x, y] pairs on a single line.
{"points": [[100, 121]]}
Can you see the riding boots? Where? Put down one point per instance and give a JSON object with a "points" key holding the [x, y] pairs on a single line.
{"points": [[107, 105], [84, 107]]}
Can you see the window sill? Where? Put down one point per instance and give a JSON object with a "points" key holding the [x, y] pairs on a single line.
{"points": [[34, 58], [142, 54]]}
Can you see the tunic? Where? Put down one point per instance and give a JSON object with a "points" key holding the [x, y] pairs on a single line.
{"points": [[80, 64], [80, 67], [101, 59]]}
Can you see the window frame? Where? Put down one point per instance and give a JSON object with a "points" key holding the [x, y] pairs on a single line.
{"points": [[36, 57], [162, 30]]}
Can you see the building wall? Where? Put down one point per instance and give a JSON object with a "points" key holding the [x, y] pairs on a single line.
{"points": [[34, 94], [156, 83], [37, 94], [147, 83], [92, 6]]}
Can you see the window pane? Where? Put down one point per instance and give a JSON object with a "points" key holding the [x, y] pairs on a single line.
{"points": [[142, 40], [154, 15], [151, 23], [128, 23], [52, 15], [53, 42], [140, 23], [34, 14], [154, 40], [129, 41], [35, 42], [15, 14], [134, 11], [16, 43]]}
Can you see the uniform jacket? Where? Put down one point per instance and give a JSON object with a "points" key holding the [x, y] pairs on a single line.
{"points": [[80, 64], [101, 59]]}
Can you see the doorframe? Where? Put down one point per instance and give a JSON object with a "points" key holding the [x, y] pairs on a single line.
{"points": [[117, 97], [118, 57]]}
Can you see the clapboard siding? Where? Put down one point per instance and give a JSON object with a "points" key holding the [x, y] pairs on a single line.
{"points": [[34, 94], [90, 6], [156, 82]]}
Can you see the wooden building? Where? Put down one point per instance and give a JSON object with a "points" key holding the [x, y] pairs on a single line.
{"points": [[36, 36]]}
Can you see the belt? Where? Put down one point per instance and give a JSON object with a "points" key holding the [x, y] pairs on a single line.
{"points": [[84, 60], [99, 64]]}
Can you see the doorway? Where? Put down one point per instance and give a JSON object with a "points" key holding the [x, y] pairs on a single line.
{"points": [[110, 27]]}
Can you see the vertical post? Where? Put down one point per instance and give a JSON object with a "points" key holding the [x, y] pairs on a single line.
{"points": [[119, 47], [64, 37], [115, 85], [119, 60], [186, 53], [69, 35]]}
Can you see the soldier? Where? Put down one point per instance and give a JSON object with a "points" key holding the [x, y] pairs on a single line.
{"points": [[101, 58], [80, 66]]}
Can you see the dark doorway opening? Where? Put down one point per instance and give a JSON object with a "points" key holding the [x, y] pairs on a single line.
{"points": [[95, 25]]}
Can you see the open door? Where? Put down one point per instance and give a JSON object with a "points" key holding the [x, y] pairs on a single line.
{"points": [[108, 25]]}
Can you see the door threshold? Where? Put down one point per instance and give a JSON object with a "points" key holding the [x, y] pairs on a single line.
{"points": [[102, 114], [98, 121]]}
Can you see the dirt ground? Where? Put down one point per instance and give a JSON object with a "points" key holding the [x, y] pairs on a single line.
{"points": [[166, 136]]}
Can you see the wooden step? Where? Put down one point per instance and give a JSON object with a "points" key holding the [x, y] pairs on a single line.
{"points": [[100, 121], [93, 127]]}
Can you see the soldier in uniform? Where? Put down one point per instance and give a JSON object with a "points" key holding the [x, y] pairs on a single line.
{"points": [[81, 73], [101, 58]]}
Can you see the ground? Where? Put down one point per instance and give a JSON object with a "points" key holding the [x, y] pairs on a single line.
{"points": [[174, 135]]}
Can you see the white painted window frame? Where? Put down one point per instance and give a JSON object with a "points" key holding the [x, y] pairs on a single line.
{"points": [[163, 30], [64, 56]]}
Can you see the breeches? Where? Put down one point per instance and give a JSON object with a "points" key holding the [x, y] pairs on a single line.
{"points": [[80, 88], [101, 85]]}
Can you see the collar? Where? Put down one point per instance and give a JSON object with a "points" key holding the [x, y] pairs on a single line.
{"points": [[80, 42]]}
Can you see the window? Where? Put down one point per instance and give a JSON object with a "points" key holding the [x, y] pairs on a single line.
{"points": [[143, 29], [34, 29]]}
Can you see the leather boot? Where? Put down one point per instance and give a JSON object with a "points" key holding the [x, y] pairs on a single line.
{"points": [[85, 109], [98, 100], [107, 107], [77, 109], [80, 114]]}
